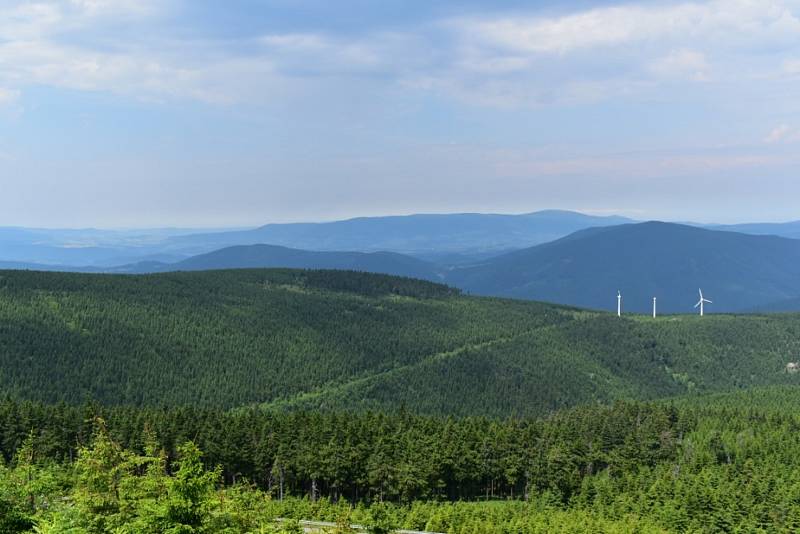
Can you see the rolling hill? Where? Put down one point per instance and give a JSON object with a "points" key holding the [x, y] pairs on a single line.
{"points": [[264, 256], [447, 239], [740, 272], [456, 238], [450, 237], [663, 260], [356, 341]]}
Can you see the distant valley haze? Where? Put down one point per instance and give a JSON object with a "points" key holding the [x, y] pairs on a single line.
{"points": [[554, 255]]}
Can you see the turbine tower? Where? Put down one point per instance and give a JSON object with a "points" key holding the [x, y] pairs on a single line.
{"points": [[654, 307], [701, 302], [619, 303]]}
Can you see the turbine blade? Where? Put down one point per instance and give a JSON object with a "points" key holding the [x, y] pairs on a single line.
{"points": [[696, 305]]}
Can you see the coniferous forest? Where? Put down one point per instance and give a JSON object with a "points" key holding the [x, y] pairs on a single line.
{"points": [[246, 401], [344, 341], [708, 464]]}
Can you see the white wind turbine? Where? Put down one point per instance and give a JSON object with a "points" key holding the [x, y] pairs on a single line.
{"points": [[701, 302], [619, 303]]}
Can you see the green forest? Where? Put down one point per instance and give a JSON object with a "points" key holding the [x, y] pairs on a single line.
{"points": [[246, 401], [722, 463], [346, 341]]}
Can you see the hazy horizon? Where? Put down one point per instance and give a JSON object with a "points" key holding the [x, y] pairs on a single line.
{"points": [[193, 229]]}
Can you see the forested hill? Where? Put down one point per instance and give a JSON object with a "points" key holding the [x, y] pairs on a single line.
{"points": [[270, 256], [669, 261], [347, 340]]}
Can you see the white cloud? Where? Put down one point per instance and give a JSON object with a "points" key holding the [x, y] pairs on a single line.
{"points": [[791, 67], [44, 19], [309, 53], [600, 27], [8, 96], [490, 60], [682, 64], [724, 21], [60, 43], [783, 133], [616, 52], [96, 8]]}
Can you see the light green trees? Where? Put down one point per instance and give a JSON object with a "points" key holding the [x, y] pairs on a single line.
{"points": [[190, 493]]}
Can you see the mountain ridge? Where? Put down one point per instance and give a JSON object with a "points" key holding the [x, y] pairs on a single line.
{"points": [[740, 272], [454, 238], [644, 260], [266, 256], [417, 233]]}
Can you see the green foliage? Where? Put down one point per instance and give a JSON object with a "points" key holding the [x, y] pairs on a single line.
{"points": [[189, 492], [343, 521], [326, 340], [380, 519], [725, 463], [291, 526], [101, 470], [13, 520], [344, 365], [337, 455]]}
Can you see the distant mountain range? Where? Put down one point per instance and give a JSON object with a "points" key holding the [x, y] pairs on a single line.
{"points": [[262, 256], [667, 261], [448, 239], [738, 271], [460, 233], [451, 238]]}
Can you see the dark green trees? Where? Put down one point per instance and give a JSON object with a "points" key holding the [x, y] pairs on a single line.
{"points": [[325, 340]]}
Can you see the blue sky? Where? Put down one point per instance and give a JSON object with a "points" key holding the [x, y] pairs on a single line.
{"points": [[121, 113]]}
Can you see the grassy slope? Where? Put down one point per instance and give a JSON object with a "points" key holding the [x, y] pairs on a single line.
{"points": [[356, 341]]}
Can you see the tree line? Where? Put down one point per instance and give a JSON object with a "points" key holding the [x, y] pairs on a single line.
{"points": [[722, 463], [370, 456]]}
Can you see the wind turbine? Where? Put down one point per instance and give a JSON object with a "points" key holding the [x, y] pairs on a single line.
{"points": [[619, 303], [654, 307], [701, 302]]}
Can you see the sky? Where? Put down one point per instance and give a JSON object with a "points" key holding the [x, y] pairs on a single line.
{"points": [[200, 113]]}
